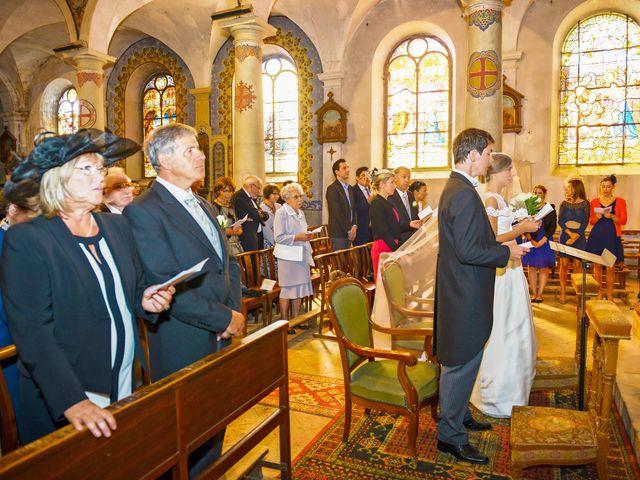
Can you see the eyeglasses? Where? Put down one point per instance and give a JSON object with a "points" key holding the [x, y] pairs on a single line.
{"points": [[122, 186], [92, 170]]}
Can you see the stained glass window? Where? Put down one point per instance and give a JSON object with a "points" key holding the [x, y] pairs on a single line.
{"points": [[418, 104], [68, 112], [158, 108], [600, 92], [280, 91]]}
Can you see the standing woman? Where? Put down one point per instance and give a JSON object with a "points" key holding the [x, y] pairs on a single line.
{"points": [[72, 286], [223, 191], [270, 205], [385, 220], [290, 229], [418, 195], [573, 220], [541, 258], [607, 229]]}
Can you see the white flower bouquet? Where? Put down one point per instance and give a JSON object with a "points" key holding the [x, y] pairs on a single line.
{"points": [[223, 221], [525, 204]]}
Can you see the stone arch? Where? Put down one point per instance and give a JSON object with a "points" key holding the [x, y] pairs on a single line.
{"points": [[49, 103]]}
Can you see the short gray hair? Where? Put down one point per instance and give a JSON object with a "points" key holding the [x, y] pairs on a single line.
{"points": [[163, 140], [54, 187], [289, 189], [252, 180]]}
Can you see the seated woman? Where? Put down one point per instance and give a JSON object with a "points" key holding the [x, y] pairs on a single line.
{"points": [[385, 220], [290, 230], [73, 285], [223, 191]]}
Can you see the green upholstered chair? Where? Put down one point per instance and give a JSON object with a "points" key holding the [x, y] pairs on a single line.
{"points": [[387, 380], [412, 315]]}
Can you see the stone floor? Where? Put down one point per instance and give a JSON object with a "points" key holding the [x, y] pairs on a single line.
{"points": [[555, 327]]}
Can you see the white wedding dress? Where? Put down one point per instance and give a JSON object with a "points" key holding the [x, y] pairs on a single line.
{"points": [[509, 359]]}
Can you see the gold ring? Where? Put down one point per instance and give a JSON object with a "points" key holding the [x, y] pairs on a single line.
{"points": [[167, 306]]}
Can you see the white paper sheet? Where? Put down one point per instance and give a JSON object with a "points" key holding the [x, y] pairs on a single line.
{"points": [[184, 275], [239, 222], [544, 211], [425, 212]]}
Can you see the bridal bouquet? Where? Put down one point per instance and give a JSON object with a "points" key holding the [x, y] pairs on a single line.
{"points": [[223, 221], [525, 204]]}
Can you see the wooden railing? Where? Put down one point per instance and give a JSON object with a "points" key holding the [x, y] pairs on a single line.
{"points": [[160, 425]]}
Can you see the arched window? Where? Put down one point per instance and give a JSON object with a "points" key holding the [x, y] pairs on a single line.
{"points": [[418, 104], [600, 92], [158, 108], [280, 91], [68, 112]]}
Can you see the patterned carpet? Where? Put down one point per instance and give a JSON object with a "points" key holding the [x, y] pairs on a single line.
{"points": [[377, 447]]}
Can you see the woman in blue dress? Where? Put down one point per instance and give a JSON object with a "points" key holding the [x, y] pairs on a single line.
{"points": [[573, 220], [608, 216], [540, 258]]}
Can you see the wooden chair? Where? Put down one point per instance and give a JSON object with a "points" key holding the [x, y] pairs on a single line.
{"points": [[408, 312], [554, 436], [269, 272], [8, 427], [326, 264], [561, 372], [362, 269], [395, 383], [251, 277], [320, 245]]}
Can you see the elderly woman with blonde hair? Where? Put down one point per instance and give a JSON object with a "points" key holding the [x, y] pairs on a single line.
{"points": [[72, 285], [293, 251]]}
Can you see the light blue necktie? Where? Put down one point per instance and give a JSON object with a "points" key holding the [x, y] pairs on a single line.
{"points": [[199, 215]]}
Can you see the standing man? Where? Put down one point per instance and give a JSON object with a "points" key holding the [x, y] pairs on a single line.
{"points": [[467, 259], [244, 203], [362, 196], [403, 203], [341, 203], [175, 229]]}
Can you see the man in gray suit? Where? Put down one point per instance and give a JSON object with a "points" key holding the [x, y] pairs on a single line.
{"points": [[343, 217], [174, 229], [467, 259]]}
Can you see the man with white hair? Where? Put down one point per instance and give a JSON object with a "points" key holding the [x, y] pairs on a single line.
{"points": [[244, 203], [118, 191]]}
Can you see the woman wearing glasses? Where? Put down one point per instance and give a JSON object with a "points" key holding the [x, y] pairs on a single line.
{"points": [[72, 286], [118, 191]]}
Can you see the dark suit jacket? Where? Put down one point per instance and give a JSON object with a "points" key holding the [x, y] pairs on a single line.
{"points": [[169, 241], [384, 223], [363, 235], [56, 311], [243, 205], [396, 201], [467, 260], [340, 220]]}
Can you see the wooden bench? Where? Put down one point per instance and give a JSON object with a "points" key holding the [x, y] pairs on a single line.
{"points": [[554, 436], [161, 424]]}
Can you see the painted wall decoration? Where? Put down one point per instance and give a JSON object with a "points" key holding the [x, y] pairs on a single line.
{"points": [[148, 50], [77, 11], [96, 77], [87, 114], [245, 96], [484, 75], [244, 51], [483, 19]]}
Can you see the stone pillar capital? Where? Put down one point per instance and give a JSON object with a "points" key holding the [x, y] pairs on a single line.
{"points": [[470, 7], [247, 29], [86, 59]]}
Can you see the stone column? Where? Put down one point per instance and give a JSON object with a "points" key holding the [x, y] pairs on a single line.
{"points": [[484, 66], [90, 65], [248, 34], [17, 122]]}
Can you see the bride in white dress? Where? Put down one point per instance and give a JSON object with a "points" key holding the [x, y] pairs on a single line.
{"points": [[509, 359]]}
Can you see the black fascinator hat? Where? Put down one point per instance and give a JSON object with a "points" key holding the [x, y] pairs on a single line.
{"points": [[55, 150]]}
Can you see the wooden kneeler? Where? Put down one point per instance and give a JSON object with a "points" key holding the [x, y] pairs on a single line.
{"points": [[558, 373], [554, 436]]}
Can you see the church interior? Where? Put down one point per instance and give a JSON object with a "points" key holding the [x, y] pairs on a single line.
{"points": [[281, 89]]}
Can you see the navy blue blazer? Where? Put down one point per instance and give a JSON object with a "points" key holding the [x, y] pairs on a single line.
{"points": [[243, 205], [169, 241], [363, 234], [396, 201], [55, 308]]}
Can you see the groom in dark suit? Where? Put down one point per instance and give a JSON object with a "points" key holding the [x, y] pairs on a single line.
{"points": [[175, 229], [467, 259]]}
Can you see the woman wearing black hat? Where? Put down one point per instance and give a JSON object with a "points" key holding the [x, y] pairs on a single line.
{"points": [[72, 287]]}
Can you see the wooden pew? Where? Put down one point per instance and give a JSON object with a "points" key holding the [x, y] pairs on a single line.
{"points": [[159, 425]]}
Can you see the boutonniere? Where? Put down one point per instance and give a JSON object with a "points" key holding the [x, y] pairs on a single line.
{"points": [[414, 204], [222, 221]]}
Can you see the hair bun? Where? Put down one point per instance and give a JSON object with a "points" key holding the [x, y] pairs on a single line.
{"points": [[613, 179]]}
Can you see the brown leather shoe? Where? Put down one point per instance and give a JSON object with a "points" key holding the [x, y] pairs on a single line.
{"points": [[466, 453]]}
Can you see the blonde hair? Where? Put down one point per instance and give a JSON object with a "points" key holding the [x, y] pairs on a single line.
{"points": [[382, 176], [54, 187]]}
